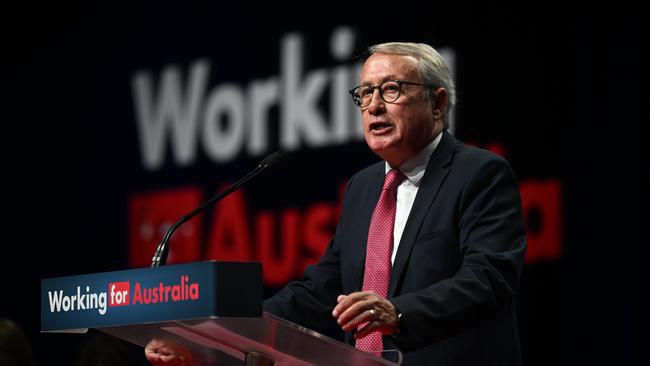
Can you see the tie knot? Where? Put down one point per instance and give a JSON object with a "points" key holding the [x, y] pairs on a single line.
{"points": [[393, 179]]}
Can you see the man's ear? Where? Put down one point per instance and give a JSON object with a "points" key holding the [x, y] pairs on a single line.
{"points": [[439, 103]]}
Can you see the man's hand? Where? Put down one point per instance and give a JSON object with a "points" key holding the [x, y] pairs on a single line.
{"points": [[361, 307], [160, 353]]}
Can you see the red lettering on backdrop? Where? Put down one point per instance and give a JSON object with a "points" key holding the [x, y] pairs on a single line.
{"points": [[542, 205], [289, 250], [302, 236], [229, 232], [319, 222], [279, 262], [265, 229], [152, 213]]}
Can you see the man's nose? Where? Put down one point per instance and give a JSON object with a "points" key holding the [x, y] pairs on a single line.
{"points": [[376, 102]]}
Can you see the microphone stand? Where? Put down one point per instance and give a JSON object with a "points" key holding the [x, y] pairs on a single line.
{"points": [[160, 255]]}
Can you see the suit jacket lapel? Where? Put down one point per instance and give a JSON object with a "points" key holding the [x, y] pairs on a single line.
{"points": [[437, 170]]}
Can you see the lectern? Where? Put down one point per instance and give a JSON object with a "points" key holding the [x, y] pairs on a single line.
{"points": [[212, 310]]}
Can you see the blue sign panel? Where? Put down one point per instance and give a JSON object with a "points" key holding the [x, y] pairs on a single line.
{"points": [[146, 295]]}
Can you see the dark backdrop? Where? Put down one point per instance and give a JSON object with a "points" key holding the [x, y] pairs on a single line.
{"points": [[564, 96]]}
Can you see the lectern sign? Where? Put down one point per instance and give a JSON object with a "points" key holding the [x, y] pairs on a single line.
{"points": [[186, 291]]}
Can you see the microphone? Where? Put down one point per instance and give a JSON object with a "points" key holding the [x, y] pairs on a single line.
{"points": [[160, 255]]}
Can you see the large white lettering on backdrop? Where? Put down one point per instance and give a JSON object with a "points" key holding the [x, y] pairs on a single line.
{"points": [[230, 119]]}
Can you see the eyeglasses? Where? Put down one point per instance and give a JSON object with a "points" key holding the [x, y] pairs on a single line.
{"points": [[389, 91]]}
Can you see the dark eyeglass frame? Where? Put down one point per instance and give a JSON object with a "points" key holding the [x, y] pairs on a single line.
{"points": [[356, 97]]}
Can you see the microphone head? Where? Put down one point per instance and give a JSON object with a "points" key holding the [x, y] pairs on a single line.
{"points": [[272, 159]]}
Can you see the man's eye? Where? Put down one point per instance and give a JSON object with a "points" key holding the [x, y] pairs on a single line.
{"points": [[365, 92], [391, 87]]}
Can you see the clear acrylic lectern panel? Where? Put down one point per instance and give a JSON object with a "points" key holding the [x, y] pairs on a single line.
{"points": [[267, 340]]}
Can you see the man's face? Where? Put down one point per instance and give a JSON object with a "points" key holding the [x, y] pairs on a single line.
{"points": [[397, 131]]}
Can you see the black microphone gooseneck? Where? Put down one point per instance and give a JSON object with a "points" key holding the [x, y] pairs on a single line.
{"points": [[160, 256]]}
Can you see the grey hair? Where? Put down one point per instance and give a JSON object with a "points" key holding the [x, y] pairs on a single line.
{"points": [[431, 66]]}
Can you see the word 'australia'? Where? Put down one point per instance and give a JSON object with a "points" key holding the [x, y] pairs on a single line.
{"points": [[162, 293]]}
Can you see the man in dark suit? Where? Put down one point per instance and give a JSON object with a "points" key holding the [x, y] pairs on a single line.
{"points": [[458, 237], [430, 245]]}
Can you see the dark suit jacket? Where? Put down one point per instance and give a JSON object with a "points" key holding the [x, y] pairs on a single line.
{"points": [[457, 269]]}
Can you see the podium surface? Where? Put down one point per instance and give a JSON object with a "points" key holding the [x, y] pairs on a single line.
{"points": [[211, 310]]}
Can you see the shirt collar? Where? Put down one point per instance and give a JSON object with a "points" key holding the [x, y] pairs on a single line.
{"points": [[414, 167]]}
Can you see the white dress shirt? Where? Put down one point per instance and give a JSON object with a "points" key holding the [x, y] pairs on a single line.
{"points": [[413, 169]]}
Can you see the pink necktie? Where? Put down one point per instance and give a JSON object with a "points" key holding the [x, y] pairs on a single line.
{"points": [[379, 251]]}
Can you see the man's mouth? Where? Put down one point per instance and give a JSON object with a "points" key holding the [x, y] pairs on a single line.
{"points": [[379, 126]]}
